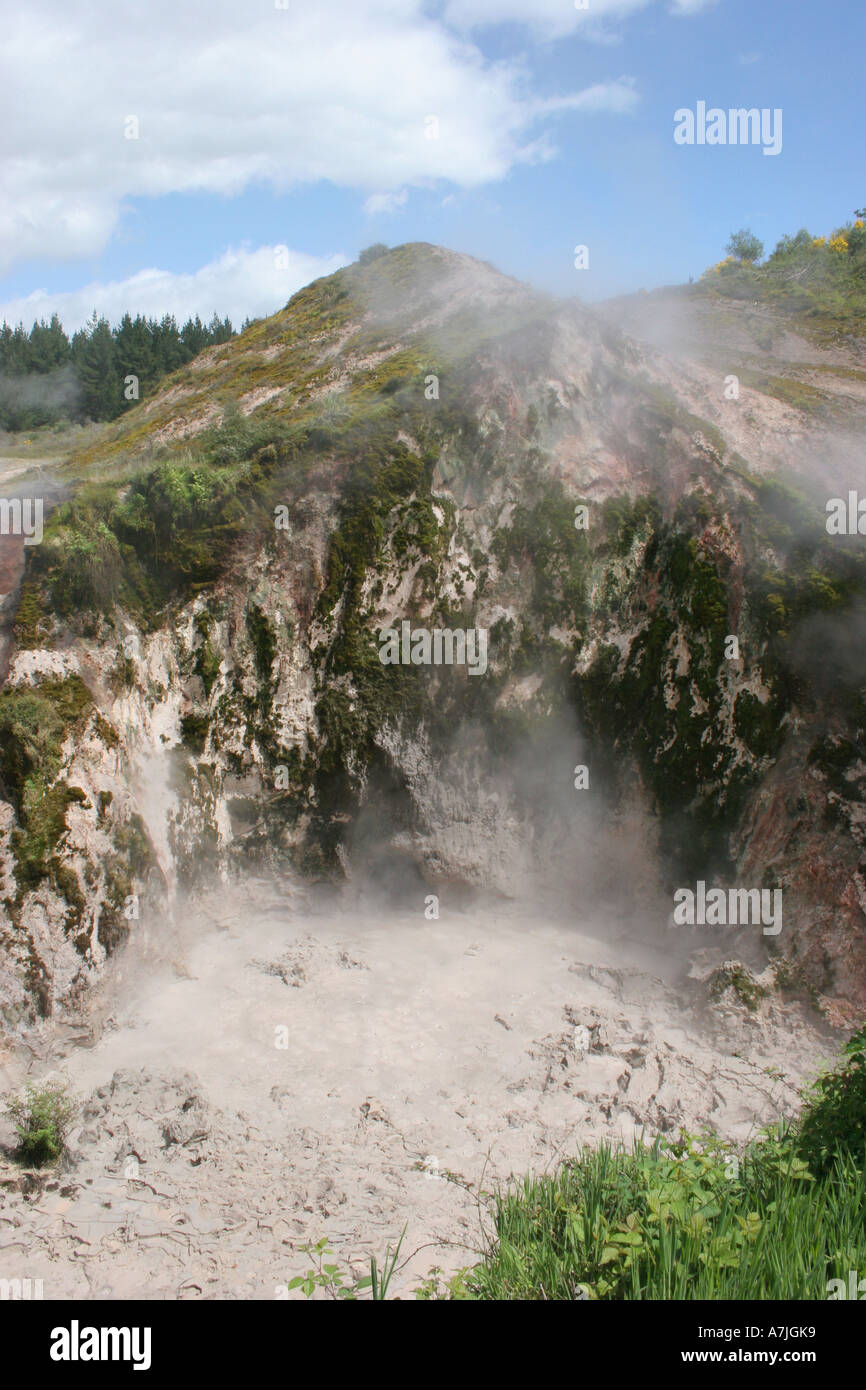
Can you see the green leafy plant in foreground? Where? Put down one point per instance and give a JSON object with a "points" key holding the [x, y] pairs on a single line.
{"points": [[339, 1284], [42, 1118], [692, 1218], [675, 1220]]}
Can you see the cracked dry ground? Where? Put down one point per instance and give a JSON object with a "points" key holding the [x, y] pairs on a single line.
{"points": [[314, 1073]]}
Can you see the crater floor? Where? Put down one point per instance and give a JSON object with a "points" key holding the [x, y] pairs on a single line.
{"points": [[270, 1069]]}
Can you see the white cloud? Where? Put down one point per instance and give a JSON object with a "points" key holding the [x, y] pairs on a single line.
{"points": [[227, 94], [239, 283], [616, 96], [385, 202], [551, 18], [687, 7]]}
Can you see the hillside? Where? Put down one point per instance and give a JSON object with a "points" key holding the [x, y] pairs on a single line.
{"points": [[196, 686]]}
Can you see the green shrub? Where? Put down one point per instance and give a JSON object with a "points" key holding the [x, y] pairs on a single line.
{"points": [[34, 722], [87, 570], [833, 1123], [42, 1119], [745, 246], [819, 281]]}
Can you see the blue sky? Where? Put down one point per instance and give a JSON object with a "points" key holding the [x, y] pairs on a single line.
{"points": [[308, 128]]}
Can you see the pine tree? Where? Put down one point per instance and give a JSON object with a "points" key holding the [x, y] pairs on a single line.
{"points": [[134, 354], [96, 369], [168, 349], [101, 358], [5, 346], [194, 337], [220, 330], [17, 351], [48, 345]]}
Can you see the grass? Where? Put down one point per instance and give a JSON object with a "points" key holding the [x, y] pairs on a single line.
{"points": [[677, 1221], [55, 441], [692, 1219], [799, 394]]}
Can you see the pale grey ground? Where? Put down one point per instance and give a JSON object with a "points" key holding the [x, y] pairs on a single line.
{"points": [[426, 1061]]}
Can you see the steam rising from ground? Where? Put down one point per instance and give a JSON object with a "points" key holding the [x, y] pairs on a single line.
{"points": [[269, 1064], [271, 1068], [57, 392]]}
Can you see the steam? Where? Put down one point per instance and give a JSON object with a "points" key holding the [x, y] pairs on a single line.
{"points": [[486, 820], [499, 905], [57, 391], [828, 650]]}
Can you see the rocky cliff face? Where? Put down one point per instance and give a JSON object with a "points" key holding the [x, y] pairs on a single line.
{"points": [[196, 682]]}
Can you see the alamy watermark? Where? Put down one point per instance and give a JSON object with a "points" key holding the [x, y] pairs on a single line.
{"points": [[441, 647], [16, 1290], [737, 126], [77, 1343], [733, 907], [856, 1288], [846, 518], [21, 516]]}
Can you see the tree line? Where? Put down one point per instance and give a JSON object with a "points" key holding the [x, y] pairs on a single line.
{"points": [[46, 376]]}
